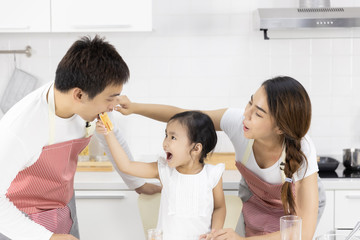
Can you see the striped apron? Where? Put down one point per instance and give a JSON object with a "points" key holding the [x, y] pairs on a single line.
{"points": [[262, 205], [45, 190], [262, 208]]}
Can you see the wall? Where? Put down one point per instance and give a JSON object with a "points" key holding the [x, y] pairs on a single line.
{"points": [[205, 54]]}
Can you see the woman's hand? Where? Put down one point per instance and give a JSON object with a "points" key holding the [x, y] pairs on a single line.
{"points": [[225, 234], [125, 106], [63, 237]]}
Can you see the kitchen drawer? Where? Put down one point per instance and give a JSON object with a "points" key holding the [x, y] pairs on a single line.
{"points": [[109, 215], [347, 210]]}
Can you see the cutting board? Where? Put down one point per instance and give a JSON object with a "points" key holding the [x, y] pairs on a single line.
{"points": [[222, 157], [228, 158], [92, 166]]}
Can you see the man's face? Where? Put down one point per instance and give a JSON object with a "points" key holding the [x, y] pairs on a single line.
{"points": [[103, 102]]}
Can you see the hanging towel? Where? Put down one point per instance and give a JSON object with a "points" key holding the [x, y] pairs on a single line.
{"points": [[20, 84]]}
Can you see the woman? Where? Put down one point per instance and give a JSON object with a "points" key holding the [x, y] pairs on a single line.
{"points": [[273, 153]]}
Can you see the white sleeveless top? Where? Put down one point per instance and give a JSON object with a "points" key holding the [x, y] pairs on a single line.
{"points": [[187, 201]]}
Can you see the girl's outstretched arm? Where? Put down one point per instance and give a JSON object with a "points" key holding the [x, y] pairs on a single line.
{"points": [[137, 169]]}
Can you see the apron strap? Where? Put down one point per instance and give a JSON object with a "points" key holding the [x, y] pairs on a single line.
{"points": [[90, 128], [51, 108], [282, 164], [247, 153]]}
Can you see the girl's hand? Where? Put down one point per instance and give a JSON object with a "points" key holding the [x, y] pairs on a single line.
{"points": [[100, 128], [227, 233], [124, 106]]}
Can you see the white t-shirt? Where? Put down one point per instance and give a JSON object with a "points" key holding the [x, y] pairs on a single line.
{"points": [[232, 124], [187, 201], [24, 131]]}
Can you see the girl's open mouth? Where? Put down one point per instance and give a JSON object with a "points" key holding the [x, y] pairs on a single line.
{"points": [[168, 156]]}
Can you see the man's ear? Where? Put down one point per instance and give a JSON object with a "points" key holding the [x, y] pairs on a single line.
{"points": [[78, 94]]}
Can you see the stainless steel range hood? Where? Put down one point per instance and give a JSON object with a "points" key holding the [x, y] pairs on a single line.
{"points": [[308, 17]]}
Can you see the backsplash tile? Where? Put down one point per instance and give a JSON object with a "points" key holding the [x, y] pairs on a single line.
{"points": [[206, 54]]}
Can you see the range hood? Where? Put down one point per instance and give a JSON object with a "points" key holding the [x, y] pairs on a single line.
{"points": [[308, 17]]}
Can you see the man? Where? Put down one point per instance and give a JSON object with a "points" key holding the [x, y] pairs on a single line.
{"points": [[42, 135]]}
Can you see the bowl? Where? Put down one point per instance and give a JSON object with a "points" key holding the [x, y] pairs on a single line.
{"points": [[326, 164]]}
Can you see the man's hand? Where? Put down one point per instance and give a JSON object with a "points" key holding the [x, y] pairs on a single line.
{"points": [[149, 189], [63, 237]]}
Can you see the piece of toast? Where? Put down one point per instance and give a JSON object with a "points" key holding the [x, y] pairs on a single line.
{"points": [[106, 121]]}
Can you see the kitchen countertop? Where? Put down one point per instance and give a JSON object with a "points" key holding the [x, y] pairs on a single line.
{"points": [[231, 178]]}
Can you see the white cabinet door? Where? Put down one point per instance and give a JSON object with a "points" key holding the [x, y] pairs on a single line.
{"points": [[347, 210], [25, 16], [101, 16], [326, 223], [110, 215]]}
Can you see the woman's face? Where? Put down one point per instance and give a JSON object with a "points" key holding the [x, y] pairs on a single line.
{"points": [[258, 123]]}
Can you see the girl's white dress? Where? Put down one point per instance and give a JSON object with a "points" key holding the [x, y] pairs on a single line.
{"points": [[187, 201]]}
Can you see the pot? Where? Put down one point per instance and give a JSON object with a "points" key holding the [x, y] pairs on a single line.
{"points": [[351, 158]]}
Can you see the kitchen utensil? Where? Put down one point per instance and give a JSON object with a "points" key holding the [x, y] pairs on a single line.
{"points": [[290, 227], [327, 164], [20, 84], [355, 229], [351, 158]]}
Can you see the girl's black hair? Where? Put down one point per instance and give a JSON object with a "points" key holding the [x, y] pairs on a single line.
{"points": [[200, 129]]}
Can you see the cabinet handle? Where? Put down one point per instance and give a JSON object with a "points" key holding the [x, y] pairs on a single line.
{"points": [[101, 26], [99, 195], [14, 28], [352, 196]]}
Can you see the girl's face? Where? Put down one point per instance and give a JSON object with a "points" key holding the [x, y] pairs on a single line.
{"points": [[177, 145], [258, 123]]}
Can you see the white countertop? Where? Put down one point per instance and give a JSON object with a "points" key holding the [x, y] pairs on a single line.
{"points": [[231, 179]]}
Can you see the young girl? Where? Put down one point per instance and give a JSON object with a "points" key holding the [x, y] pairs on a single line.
{"points": [[192, 199], [275, 156]]}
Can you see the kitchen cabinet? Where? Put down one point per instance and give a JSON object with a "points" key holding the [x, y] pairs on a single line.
{"points": [[107, 215], [110, 215], [75, 16], [101, 16], [347, 211], [25, 16], [341, 212]]}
